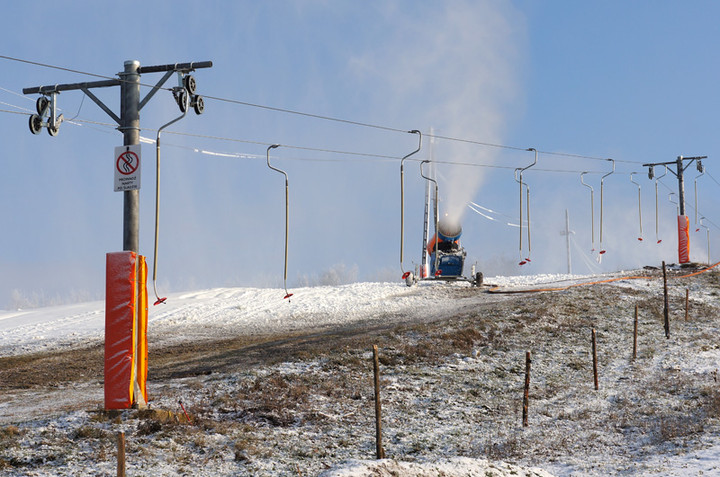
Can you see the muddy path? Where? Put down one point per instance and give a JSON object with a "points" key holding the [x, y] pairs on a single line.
{"points": [[62, 368]]}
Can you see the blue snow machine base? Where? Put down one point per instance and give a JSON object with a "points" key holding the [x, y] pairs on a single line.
{"points": [[447, 258], [449, 264]]}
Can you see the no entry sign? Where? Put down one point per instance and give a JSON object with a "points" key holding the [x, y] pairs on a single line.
{"points": [[127, 168]]}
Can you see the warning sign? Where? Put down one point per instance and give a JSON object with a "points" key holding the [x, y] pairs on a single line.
{"points": [[127, 168]]}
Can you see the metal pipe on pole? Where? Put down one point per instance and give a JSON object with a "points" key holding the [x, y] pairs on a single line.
{"points": [[130, 128], [681, 184]]}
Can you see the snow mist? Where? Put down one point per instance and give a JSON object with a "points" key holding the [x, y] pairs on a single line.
{"points": [[476, 55]]}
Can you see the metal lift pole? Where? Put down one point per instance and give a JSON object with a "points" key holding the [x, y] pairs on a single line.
{"points": [[130, 128], [128, 122], [681, 184]]}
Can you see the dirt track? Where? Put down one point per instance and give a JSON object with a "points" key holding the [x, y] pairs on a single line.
{"points": [[56, 369]]}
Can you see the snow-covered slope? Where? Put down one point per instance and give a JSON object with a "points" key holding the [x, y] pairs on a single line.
{"points": [[210, 314], [218, 313]]}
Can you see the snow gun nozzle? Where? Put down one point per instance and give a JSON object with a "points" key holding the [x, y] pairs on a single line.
{"points": [[288, 296], [160, 301], [405, 275]]}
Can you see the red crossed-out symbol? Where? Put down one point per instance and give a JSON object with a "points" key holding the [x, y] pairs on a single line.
{"points": [[127, 163]]}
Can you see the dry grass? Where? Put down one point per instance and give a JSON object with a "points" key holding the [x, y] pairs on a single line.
{"points": [[323, 388]]}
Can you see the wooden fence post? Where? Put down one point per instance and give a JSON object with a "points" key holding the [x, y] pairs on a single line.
{"points": [[379, 451], [121, 454], [526, 394], [594, 353], [635, 333], [666, 307]]}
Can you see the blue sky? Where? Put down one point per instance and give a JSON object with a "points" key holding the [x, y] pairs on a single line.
{"points": [[633, 81]]}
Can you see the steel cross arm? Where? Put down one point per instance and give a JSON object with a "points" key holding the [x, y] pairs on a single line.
{"points": [[70, 87], [692, 159], [673, 162], [666, 164], [155, 89], [97, 101], [182, 67]]}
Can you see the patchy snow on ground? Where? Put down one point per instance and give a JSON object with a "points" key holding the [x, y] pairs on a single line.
{"points": [[448, 409], [210, 314]]}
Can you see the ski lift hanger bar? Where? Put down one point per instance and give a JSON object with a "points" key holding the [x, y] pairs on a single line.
{"points": [[181, 67]]}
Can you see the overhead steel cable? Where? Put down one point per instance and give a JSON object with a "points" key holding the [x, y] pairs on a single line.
{"points": [[327, 118], [55, 67], [381, 157]]}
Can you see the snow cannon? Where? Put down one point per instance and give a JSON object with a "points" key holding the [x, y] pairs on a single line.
{"points": [[449, 230], [448, 233], [447, 257]]}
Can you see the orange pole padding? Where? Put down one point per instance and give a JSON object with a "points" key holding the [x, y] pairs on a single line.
{"points": [[683, 239], [142, 313], [120, 286], [125, 329]]}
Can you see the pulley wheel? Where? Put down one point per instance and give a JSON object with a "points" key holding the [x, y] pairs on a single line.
{"points": [[41, 105], [182, 100], [199, 105], [35, 124], [190, 84]]}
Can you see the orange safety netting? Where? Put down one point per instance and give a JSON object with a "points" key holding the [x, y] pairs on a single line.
{"points": [[597, 282]]}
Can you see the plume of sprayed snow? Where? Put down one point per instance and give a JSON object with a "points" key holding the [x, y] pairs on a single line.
{"points": [[451, 67], [475, 55]]}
